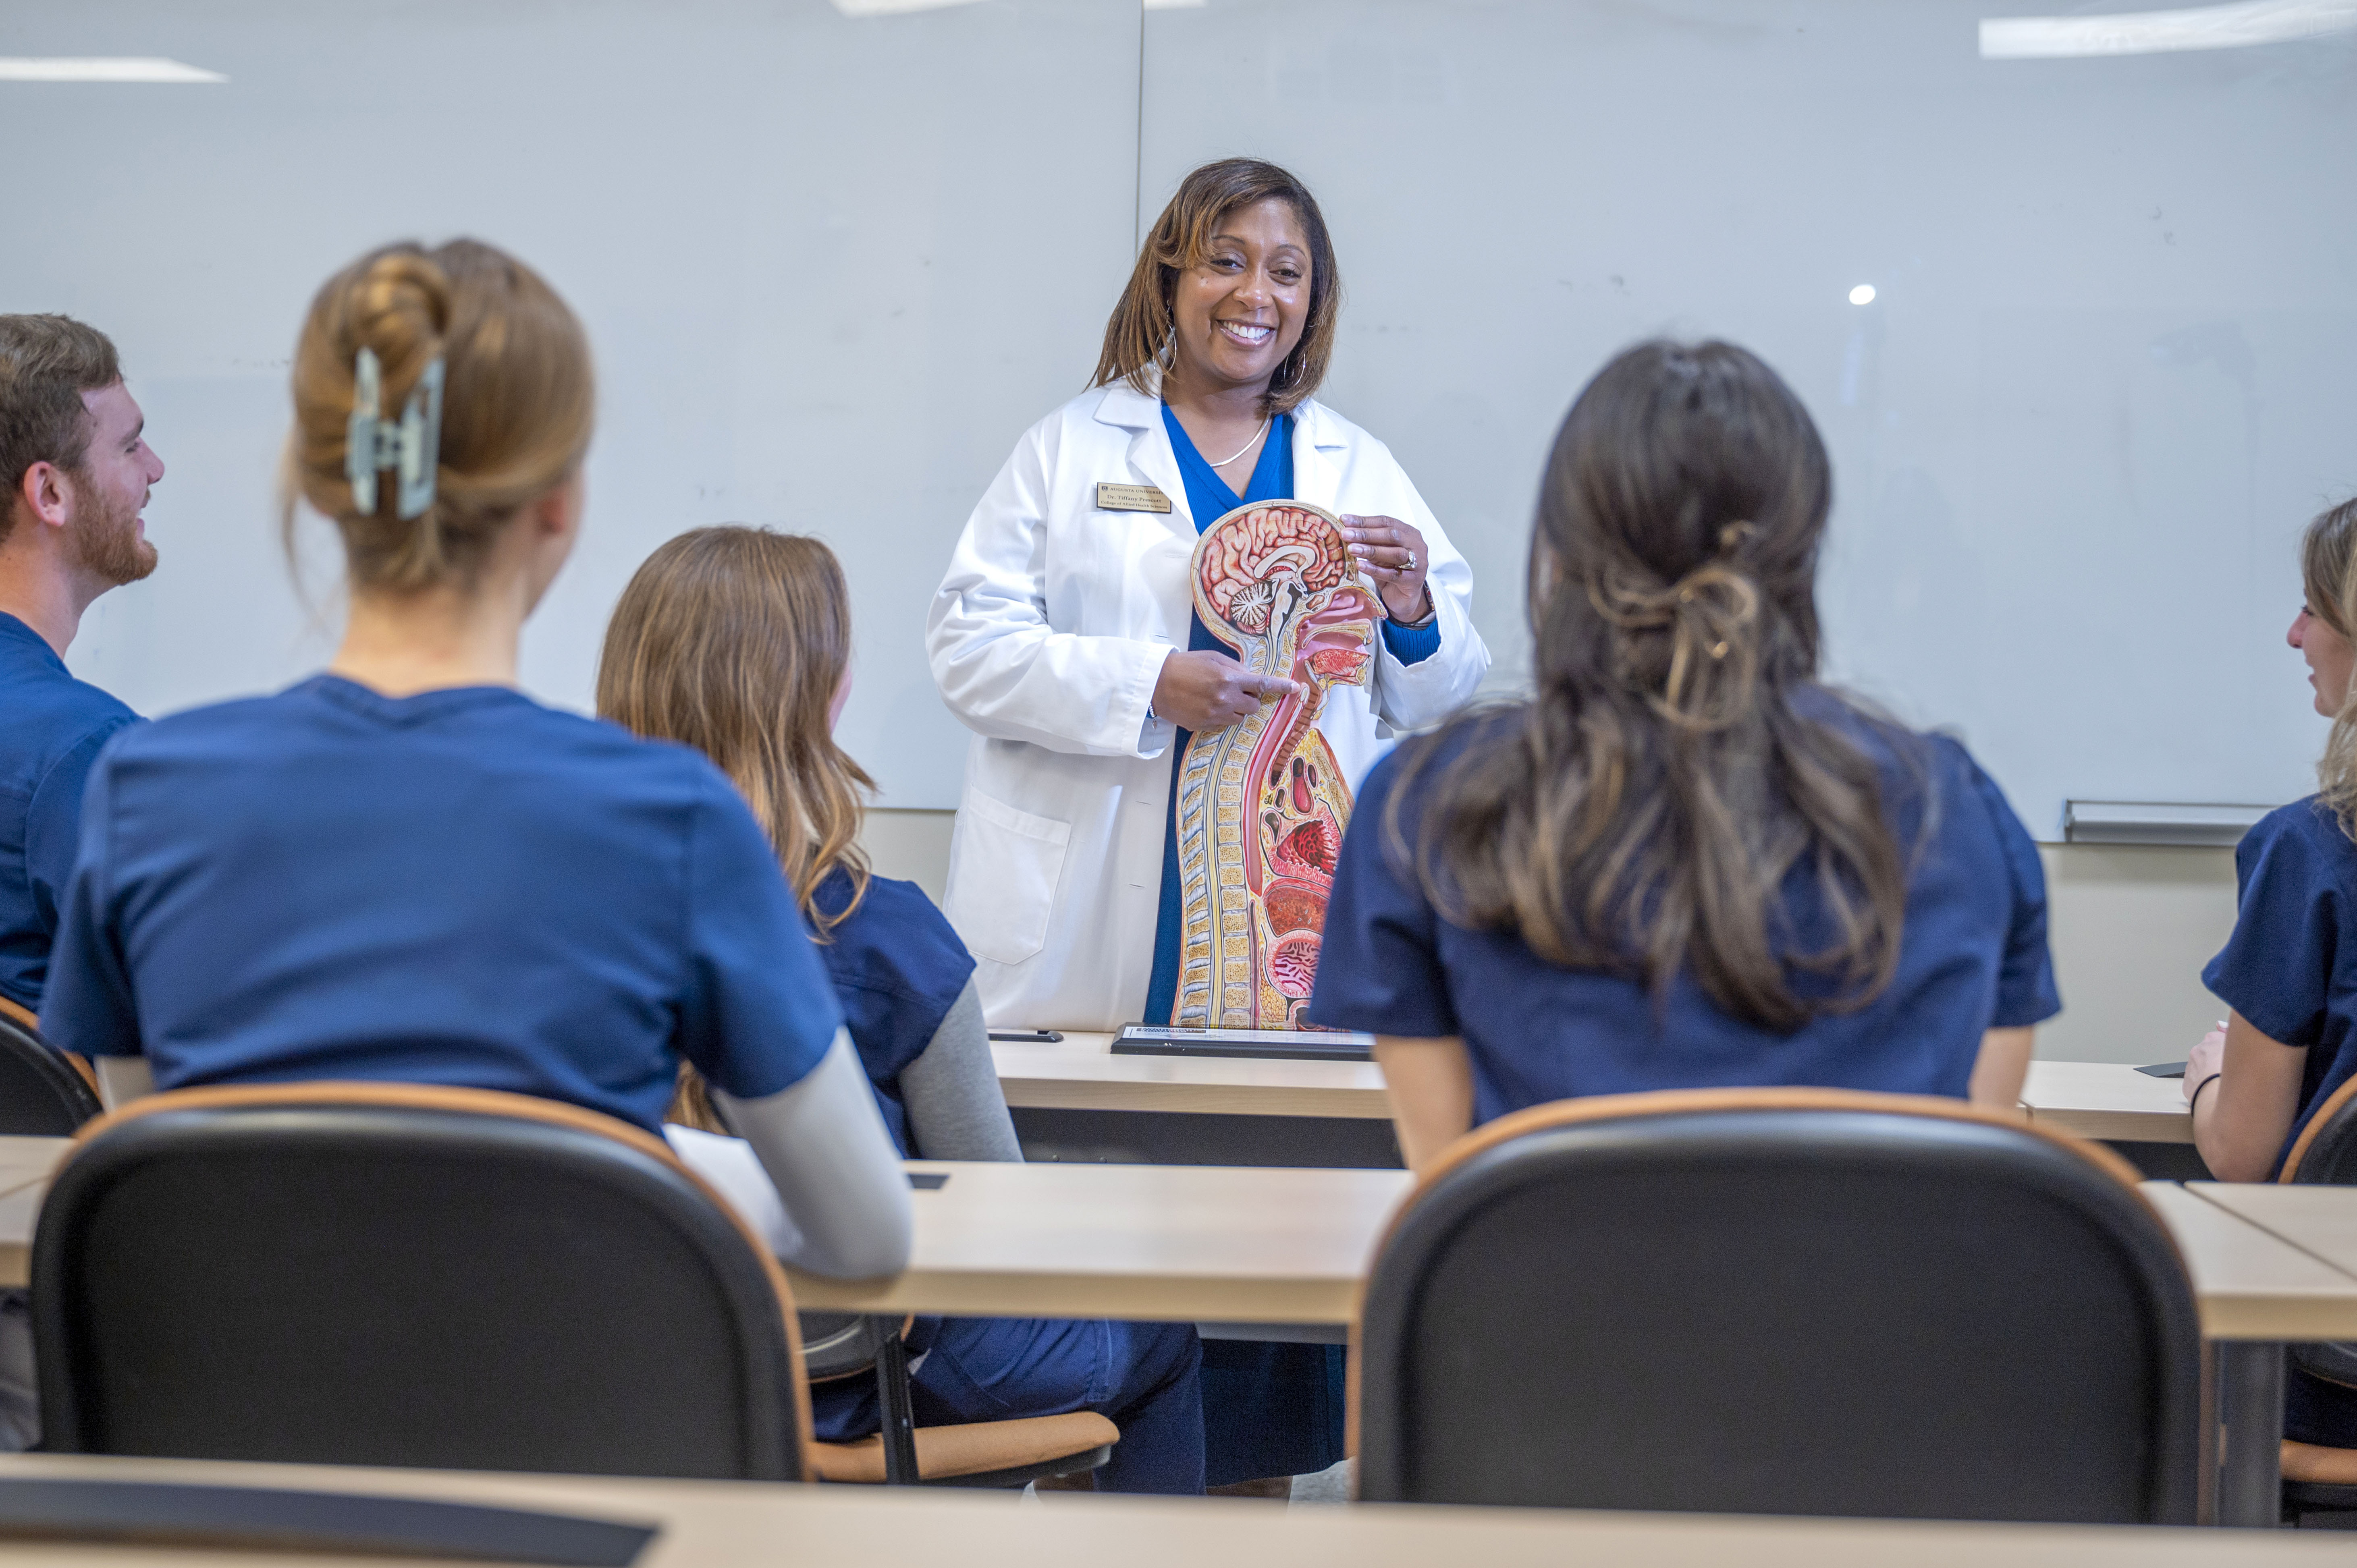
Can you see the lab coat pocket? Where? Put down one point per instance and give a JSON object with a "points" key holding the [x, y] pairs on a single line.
{"points": [[1003, 873]]}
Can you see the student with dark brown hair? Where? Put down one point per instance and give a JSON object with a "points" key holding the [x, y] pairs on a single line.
{"points": [[738, 642], [77, 466], [1684, 860]]}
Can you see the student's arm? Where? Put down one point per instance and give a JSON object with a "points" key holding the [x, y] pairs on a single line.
{"points": [[122, 1079], [956, 1110], [1999, 1070], [1430, 1083], [824, 1144], [2252, 1095]]}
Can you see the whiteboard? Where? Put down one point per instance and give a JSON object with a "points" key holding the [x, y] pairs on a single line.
{"points": [[831, 265], [834, 257], [2109, 372]]}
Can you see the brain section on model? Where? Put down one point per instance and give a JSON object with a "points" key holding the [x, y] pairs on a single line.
{"points": [[1249, 563], [1262, 805]]}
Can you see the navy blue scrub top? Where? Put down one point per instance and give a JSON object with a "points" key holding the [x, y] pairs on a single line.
{"points": [[459, 887], [55, 727], [898, 968], [2285, 969], [1209, 499], [1972, 957]]}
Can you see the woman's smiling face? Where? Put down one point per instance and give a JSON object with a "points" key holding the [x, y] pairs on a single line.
{"points": [[1240, 311]]}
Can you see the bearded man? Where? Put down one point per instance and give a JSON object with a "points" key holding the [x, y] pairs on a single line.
{"points": [[77, 469]]}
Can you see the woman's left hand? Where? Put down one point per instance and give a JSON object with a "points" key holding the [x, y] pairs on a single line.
{"points": [[1392, 553]]}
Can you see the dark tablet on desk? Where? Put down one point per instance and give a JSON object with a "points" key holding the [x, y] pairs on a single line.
{"points": [[2164, 1069], [1272, 1045]]}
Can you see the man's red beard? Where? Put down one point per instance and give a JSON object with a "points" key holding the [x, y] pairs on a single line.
{"points": [[106, 541]]}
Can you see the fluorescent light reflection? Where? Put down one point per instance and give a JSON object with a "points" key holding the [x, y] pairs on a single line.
{"points": [[100, 68], [2233, 26], [893, 7], [1862, 295]]}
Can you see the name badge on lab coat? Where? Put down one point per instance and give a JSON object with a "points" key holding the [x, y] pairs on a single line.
{"points": [[1131, 498]]}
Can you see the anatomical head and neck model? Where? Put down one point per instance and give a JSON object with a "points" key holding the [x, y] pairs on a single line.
{"points": [[1261, 804]]}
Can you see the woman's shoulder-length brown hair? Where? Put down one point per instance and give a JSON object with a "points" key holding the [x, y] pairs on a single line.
{"points": [[734, 641], [1139, 333]]}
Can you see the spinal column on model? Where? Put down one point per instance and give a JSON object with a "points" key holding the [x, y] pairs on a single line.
{"points": [[1261, 804]]}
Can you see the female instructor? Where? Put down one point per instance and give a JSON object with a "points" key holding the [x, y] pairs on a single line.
{"points": [[1064, 634]]}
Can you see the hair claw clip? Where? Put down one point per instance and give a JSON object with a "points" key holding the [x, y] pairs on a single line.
{"points": [[413, 449]]}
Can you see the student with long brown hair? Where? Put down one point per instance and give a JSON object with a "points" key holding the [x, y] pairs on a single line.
{"points": [[405, 869], [1683, 861], [736, 641]]}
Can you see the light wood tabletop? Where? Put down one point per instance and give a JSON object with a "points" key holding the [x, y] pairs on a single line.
{"points": [[1182, 1244], [2109, 1101], [2320, 1220], [722, 1524], [1080, 1073], [2252, 1285]]}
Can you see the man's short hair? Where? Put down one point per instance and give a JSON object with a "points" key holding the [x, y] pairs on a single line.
{"points": [[46, 362]]}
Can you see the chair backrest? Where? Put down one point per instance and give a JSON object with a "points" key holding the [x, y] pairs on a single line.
{"points": [[41, 1096], [392, 1274], [1780, 1301], [2326, 1151]]}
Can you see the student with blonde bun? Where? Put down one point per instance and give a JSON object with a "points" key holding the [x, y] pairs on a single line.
{"points": [[738, 642], [405, 869]]}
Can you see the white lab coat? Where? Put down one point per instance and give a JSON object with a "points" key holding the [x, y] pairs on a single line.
{"points": [[1046, 638]]}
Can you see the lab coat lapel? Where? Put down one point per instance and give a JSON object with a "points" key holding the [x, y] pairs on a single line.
{"points": [[1151, 461], [1316, 478]]}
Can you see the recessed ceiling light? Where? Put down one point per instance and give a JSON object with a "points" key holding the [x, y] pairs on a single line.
{"points": [[99, 68], [1862, 295], [2232, 26]]}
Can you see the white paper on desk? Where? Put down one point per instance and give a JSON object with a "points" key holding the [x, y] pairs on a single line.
{"points": [[735, 1171]]}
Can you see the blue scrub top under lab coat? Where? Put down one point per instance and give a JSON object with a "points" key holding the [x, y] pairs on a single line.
{"points": [[53, 728], [459, 887], [2288, 974], [898, 968], [1972, 957]]}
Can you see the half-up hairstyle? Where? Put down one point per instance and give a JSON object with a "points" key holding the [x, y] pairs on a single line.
{"points": [[2328, 570], [1139, 336], [518, 401], [1643, 811], [735, 641]]}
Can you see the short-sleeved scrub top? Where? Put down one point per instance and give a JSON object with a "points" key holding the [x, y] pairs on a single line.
{"points": [[1973, 954], [2290, 970], [898, 968], [2286, 969], [54, 726], [460, 888]]}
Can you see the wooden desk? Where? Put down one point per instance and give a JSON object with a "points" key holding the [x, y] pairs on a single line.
{"points": [[2318, 1221], [1082, 1074], [2253, 1284], [1183, 1243], [24, 1160], [720, 1524], [2107, 1100]]}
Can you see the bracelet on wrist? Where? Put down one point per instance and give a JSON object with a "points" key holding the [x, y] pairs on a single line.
{"points": [[2194, 1099]]}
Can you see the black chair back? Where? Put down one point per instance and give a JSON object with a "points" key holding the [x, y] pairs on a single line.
{"points": [[1781, 1301], [41, 1096], [382, 1275], [2325, 1155]]}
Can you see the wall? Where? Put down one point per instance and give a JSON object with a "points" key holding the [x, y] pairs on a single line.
{"points": [[2131, 929]]}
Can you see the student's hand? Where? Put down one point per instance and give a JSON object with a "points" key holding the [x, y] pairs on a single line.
{"points": [[2203, 1061], [1204, 690]]}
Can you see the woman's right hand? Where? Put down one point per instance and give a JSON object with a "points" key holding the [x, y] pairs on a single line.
{"points": [[1201, 691]]}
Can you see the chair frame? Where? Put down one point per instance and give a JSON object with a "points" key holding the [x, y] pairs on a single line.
{"points": [[2182, 1453], [2331, 1362], [75, 1090]]}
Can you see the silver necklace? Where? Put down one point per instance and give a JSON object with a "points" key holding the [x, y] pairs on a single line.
{"points": [[1244, 449]]}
